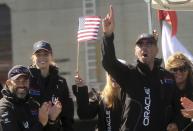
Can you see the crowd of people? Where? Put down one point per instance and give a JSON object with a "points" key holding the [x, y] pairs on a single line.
{"points": [[140, 97]]}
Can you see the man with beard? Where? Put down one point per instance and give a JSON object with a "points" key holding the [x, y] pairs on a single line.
{"points": [[17, 110]]}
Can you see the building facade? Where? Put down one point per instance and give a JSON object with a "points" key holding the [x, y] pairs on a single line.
{"points": [[56, 21]]}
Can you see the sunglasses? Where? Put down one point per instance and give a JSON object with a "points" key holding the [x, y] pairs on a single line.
{"points": [[113, 81], [181, 69]]}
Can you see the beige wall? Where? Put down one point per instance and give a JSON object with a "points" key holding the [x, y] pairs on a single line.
{"points": [[57, 22]]}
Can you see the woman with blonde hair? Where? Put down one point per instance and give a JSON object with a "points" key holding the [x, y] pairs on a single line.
{"points": [[111, 92], [107, 104], [182, 69], [179, 63], [47, 85]]}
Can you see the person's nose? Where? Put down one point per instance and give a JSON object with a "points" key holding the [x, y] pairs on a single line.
{"points": [[23, 83]]}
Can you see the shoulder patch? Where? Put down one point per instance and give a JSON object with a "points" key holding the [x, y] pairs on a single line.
{"points": [[5, 117], [167, 81]]}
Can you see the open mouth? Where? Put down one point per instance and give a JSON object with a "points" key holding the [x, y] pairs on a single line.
{"points": [[145, 55], [42, 61]]}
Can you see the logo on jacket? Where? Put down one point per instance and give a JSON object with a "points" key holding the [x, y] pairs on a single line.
{"points": [[147, 103], [34, 92], [34, 113], [5, 114], [167, 81], [25, 124], [53, 99], [108, 119], [5, 117]]}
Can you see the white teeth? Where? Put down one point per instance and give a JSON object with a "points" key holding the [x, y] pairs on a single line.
{"points": [[42, 62]]}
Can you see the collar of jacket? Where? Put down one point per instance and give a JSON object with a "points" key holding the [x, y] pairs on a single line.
{"points": [[144, 69], [188, 86], [53, 70], [12, 97]]}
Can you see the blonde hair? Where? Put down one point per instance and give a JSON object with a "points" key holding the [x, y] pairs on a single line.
{"points": [[176, 60], [179, 59], [34, 63], [110, 94]]}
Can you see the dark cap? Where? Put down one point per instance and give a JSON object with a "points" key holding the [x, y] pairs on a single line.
{"points": [[17, 71], [42, 45], [145, 36]]}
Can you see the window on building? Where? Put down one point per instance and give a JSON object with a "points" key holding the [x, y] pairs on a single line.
{"points": [[5, 41]]}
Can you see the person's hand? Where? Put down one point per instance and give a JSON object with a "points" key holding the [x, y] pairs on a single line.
{"points": [[79, 81], [55, 110], [172, 127], [188, 113], [43, 113], [108, 22], [186, 103]]}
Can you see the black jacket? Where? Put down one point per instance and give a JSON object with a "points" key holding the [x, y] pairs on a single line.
{"points": [[151, 95], [90, 105], [53, 86], [17, 115], [183, 123]]}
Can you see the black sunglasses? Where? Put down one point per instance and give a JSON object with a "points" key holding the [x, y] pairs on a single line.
{"points": [[113, 80], [181, 69]]}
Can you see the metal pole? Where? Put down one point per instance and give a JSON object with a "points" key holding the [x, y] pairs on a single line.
{"points": [[149, 9]]}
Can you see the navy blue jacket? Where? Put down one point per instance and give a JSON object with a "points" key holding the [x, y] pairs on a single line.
{"points": [[90, 105], [49, 88], [17, 114]]}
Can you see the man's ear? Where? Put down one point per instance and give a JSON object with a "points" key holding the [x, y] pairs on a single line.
{"points": [[135, 51], [9, 83]]}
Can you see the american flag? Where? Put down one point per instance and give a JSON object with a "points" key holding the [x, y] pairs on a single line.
{"points": [[88, 28]]}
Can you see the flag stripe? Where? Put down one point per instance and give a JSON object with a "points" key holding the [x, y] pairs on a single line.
{"points": [[87, 34], [92, 19], [87, 30], [91, 26], [87, 38], [92, 22]]}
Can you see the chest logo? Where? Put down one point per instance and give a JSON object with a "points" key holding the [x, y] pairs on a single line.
{"points": [[26, 125]]}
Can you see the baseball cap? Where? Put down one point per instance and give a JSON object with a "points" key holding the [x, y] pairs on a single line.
{"points": [[17, 71], [42, 45], [146, 36]]}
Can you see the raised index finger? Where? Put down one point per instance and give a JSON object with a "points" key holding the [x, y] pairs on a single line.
{"points": [[111, 14]]}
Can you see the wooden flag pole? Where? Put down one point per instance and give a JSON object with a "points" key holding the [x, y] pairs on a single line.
{"points": [[77, 60]]}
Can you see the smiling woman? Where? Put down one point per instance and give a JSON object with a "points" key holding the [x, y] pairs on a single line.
{"points": [[47, 85], [181, 67]]}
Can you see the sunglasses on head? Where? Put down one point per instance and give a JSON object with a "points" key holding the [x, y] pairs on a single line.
{"points": [[181, 69]]}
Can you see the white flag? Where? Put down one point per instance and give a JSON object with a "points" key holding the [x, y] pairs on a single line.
{"points": [[170, 44]]}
